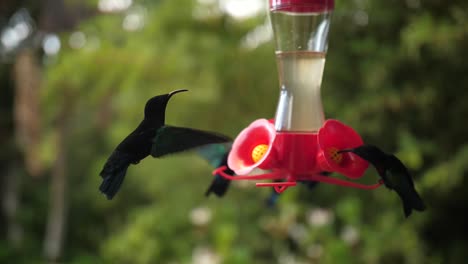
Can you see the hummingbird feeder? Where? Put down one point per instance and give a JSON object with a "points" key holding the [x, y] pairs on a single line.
{"points": [[298, 144]]}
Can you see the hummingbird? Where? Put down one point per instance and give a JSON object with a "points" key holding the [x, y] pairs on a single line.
{"points": [[394, 174], [152, 136]]}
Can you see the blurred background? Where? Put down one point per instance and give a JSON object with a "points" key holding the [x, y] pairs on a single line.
{"points": [[74, 77]]}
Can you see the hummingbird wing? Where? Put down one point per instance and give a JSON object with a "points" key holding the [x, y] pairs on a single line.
{"points": [[217, 155], [170, 140], [214, 153]]}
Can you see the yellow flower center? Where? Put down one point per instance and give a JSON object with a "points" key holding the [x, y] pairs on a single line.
{"points": [[258, 152], [335, 156]]}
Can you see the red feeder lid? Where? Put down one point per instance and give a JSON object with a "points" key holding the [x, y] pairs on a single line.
{"points": [[302, 6]]}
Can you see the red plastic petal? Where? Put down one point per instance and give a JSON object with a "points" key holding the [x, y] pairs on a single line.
{"points": [[334, 136], [261, 131]]}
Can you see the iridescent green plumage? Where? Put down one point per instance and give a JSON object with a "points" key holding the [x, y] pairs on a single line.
{"points": [[217, 155]]}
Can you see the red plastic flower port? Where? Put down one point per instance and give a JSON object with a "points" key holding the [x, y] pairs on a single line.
{"points": [[333, 137], [253, 147], [258, 146]]}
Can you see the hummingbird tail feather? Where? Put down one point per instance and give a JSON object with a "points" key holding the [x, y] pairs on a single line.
{"points": [[407, 208], [412, 201], [218, 186], [113, 174], [417, 203], [112, 182]]}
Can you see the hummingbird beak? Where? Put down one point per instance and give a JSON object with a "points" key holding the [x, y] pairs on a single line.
{"points": [[345, 150], [176, 91]]}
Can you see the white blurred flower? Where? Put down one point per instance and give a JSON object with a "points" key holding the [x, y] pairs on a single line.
{"points": [[23, 29], [205, 255], [286, 259], [200, 216], [320, 217], [298, 232], [134, 19], [242, 9], [114, 5], [289, 259], [51, 44], [350, 235], [10, 39], [18, 29], [77, 40], [258, 36], [361, 18]]}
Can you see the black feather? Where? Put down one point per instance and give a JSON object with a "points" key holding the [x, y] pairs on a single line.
{"points": [[394, 175], [170, 140], [113, 173]]}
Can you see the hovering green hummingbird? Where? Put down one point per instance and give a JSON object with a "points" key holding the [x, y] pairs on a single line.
{"points": [[394, 175], [152, 136]]}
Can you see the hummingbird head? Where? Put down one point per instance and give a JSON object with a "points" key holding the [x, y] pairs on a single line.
{"points": [[368, 152], [155, 107]]}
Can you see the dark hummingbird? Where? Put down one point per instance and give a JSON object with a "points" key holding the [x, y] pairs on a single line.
{"points": [[151, 136], [394, 175]]}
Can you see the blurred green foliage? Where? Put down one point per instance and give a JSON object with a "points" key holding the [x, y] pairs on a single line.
{"points": [[396, 72]]}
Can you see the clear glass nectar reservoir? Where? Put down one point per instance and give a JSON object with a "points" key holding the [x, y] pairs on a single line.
{"points": [[300, 106], [300, 32]]}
